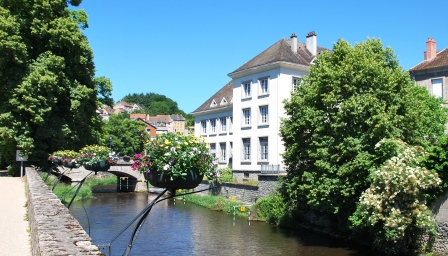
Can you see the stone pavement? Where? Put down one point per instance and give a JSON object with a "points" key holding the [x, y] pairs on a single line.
{"points": [[14, 236]]}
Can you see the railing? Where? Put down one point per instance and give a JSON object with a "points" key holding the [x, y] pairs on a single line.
{"points": [[270, 169]]}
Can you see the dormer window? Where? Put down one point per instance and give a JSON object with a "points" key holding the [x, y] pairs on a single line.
{"points": [[213, 104], [223, 101]]}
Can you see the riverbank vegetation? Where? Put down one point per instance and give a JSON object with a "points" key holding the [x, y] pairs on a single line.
{"points": [[65, 192], [363, 148], [219, 203]]}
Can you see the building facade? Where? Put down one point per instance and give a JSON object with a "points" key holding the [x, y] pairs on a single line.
{"points": [[432, 72], [259, 88]]}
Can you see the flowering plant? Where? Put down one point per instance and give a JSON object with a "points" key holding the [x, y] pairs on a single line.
{"points": [[140, 163], [394, 207], [175, 154], [94, 153], [67, 155]]}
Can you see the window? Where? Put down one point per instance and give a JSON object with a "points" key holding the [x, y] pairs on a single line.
{"points": [[213, 149], [223, 122], [213, 126], [263, 148], [264, 89], [264, 115], [246, 117], [231, 124], [203, 127], [222, 148], [296, 82], [246, 90], [246, 149], [437, 88], [231, 149]]}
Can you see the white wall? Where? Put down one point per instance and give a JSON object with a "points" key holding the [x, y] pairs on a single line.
{"points": [[217, 137], [280, 87]]}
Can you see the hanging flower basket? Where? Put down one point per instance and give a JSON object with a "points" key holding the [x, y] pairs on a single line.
{"points": [[57, 161], [161, 180], [100, 166], [69, 164]]}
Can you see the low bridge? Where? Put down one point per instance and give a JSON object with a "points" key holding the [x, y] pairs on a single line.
{"points": [[127, 179]]}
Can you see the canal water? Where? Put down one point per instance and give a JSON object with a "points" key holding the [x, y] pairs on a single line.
{"points": [[177, 228]]}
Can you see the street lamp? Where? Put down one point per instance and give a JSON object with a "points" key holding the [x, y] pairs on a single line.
{"points": [[110, 142]]}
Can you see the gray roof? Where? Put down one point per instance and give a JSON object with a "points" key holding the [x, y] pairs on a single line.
{"points": [[177, 118], [278, 52], [225, 92], [281, 51]]}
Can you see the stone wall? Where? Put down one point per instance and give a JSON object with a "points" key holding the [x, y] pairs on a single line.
{"points": [[440, 211], [244, 193], [54, 231]]}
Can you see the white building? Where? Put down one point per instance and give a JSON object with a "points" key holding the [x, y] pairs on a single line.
{"points": [[253, 109]]}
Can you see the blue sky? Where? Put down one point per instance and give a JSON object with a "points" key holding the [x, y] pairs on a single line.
{"points": [[185, 49]]}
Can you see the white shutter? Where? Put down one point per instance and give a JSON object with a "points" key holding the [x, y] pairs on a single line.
{"points": [[437, 88]]}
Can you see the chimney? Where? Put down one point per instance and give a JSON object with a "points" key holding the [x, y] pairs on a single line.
{"points": [[294, 42], [430, 49], [311, 42]]}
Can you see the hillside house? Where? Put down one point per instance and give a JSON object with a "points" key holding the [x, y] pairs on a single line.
{"points": [[164, 123], [126, 107]]}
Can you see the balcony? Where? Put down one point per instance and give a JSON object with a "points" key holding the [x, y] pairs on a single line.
{"points": [[271, 169]]}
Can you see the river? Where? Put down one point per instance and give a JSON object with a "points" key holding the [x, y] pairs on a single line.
{"points": [[174, 227]]}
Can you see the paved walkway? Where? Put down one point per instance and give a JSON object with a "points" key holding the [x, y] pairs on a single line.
{"points": [[14, 236]]}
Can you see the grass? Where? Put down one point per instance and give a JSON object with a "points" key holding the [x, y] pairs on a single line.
{"points": [[217, 203], [66, 192]]}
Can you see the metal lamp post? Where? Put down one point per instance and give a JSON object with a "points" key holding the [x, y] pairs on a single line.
{"points": [[110, 142]]}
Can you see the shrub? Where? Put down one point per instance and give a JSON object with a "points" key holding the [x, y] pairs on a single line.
{"points": [[271, 208], [226, 175], [394, 206]]}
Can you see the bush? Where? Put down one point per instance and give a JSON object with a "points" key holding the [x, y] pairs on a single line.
{"points": [[394, 206], [226, 175], [271, 208], [14, 170]]}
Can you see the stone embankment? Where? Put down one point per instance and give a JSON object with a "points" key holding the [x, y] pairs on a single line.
{"points": [[54, 231]]}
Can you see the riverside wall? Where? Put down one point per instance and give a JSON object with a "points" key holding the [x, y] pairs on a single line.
{"points": [[247, 194], [54, 231], [440, 211]]}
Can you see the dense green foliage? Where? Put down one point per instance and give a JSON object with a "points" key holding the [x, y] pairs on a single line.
{"points": [[271, 208], [48, 91], [353, 98], [155, 104], [226, 175], [126, 134], [394, 207], [437, 159]]}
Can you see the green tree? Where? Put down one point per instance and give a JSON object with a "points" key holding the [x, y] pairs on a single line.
{"points": [[126, 134], [156, 104], [49, 94], [353, 98]]}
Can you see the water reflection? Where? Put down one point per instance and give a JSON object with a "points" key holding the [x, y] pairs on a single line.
{"points": [[175, 228]]}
